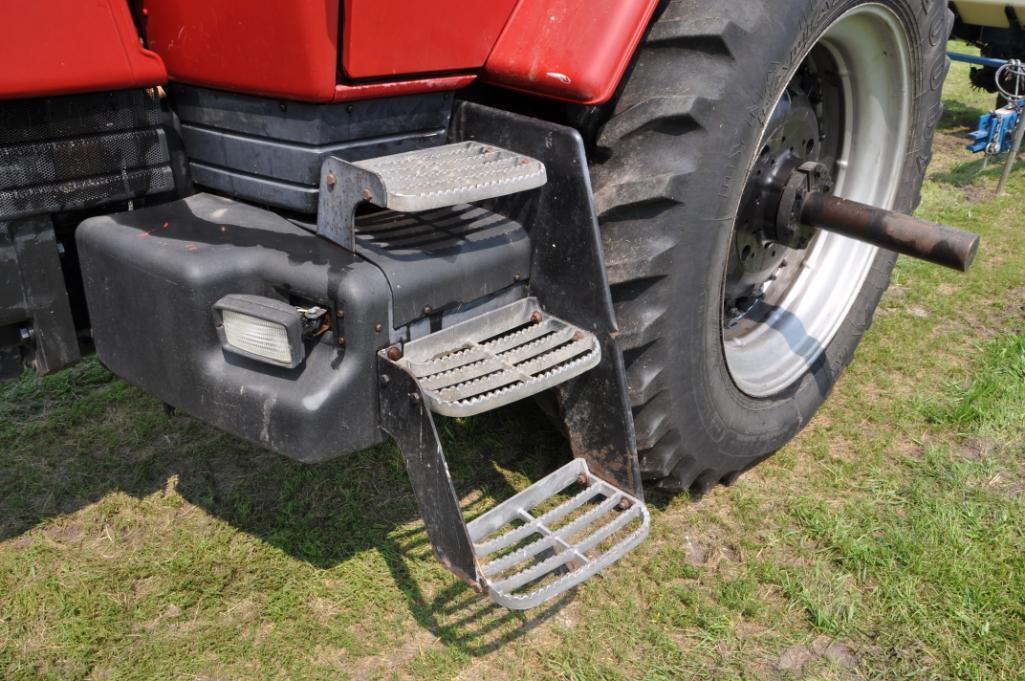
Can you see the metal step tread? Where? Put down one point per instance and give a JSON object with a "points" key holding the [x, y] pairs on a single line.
{"points": [[529, 552], [498, 358], [452, 174]]}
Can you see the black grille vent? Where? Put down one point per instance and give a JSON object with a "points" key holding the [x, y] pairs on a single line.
{"points": [[270, 152], [67, 153]]}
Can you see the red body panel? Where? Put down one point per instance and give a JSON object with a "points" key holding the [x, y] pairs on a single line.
{"points": [[575, 50], [55, 47], [389, 37], [285, 48]]}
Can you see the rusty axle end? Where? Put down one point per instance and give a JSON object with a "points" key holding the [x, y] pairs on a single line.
{"points": [[905, 234]]}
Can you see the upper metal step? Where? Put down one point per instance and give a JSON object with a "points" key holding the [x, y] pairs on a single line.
{"points": [[415, 181], [452, 174], [498, 358]]}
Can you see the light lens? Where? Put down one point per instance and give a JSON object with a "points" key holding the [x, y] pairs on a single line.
{"points": [[257, 336]]}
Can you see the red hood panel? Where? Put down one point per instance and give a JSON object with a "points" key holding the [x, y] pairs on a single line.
{"points": [[56, 47], [393, 37]]}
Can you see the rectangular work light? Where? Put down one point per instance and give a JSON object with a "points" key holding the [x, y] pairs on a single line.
{"points": [[261, 328]]}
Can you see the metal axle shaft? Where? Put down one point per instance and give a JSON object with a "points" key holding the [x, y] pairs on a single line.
{"points": [[935, 243]]}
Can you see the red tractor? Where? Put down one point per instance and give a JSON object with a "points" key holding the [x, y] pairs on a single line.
{"points": [[317, 224]]}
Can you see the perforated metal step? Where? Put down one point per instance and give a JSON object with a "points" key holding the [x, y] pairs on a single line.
{"points": [[452, 174], [498, 358], [531, 549]]}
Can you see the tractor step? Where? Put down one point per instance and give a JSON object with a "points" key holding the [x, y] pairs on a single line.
{"points": [[588, 514], [452, 174], [498, 358], [530, 551], [417, 181]]}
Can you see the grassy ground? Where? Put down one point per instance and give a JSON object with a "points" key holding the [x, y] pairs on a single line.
{"points": [[885, 542]]}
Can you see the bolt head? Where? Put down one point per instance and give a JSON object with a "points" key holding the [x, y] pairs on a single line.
{"points": [[394, 353], [428, 310], [331, 180], [536, 317], [378, 328]]}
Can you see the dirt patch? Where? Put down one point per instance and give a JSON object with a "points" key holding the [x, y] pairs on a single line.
{"points": [[392, 663], [1015, 308], [64, 536], [748, 630], [795, 658], [918, 311], [977, 194], [977, 449], [696, 554]]}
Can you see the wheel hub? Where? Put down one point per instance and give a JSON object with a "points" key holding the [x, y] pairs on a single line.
{"points": [[782, 304], [766, 247]]}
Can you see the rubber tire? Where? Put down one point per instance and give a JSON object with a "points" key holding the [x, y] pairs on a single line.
{"points": [[668, 166]]}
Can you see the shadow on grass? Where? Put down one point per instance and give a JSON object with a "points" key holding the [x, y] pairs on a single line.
{"points": [[957, 114], [70, 440], [968, 173]]}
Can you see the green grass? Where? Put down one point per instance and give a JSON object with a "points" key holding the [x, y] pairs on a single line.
{"points": [[887, 541]]}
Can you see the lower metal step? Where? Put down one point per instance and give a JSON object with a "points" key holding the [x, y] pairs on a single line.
{"points": [[498, 358], [530, 550]]}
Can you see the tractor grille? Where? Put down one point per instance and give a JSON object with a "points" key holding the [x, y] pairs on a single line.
{"points": [[270, 151], [67, 153]]}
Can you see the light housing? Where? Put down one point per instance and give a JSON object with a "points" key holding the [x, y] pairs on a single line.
{"points": [[259, 328]]}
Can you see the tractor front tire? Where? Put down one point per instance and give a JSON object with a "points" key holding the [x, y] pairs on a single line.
{"points": [[671, 156]]}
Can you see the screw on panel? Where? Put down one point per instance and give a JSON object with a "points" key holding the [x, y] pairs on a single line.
{"points": [[536, 317], [331, 181], [341, 340], [394, 353], [378, 328], [428, 310]]}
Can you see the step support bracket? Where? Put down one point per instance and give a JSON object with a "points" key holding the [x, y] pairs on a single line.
{"points": [[406, 417], [343, 187]]}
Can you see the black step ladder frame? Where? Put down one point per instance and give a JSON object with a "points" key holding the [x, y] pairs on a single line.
{"points": [[568, 278]]}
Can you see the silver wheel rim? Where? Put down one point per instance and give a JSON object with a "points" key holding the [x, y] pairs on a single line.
{"points": [[871, 49]]}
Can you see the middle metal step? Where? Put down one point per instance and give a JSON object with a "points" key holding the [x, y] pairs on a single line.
{"points": [[498, 358]]}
